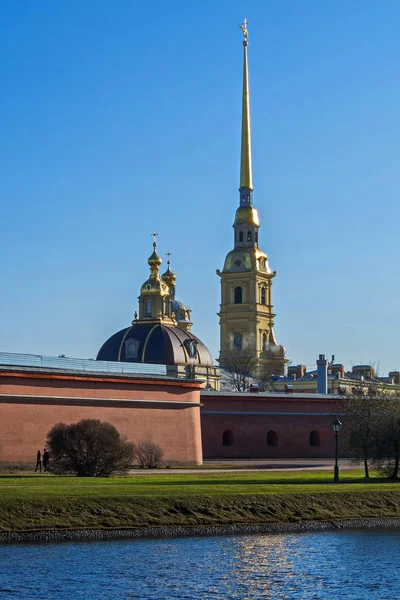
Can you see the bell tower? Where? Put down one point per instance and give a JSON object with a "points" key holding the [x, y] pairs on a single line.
{"points": [[246, 312]]}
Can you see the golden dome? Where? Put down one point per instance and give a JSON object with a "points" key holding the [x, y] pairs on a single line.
{"points": [[247, 215], [154, 259], [169, 277], [246, 259]]}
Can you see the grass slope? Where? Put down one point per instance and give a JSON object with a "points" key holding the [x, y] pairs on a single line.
{"points": [[38, 502]]}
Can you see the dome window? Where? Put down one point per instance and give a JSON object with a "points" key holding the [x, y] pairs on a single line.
{"points": [[147, 307], [191, 348], [131, 348], [249, 237], [241, 236], [238, 295], [237, 341]]}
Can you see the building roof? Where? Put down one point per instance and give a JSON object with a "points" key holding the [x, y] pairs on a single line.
{"points": [[266, 395], [155, 343], [34, 363]]}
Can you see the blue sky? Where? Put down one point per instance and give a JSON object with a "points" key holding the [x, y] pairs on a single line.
{"points": [[120, 118]]}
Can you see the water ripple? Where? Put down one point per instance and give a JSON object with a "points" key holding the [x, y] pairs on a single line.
{"points": [[335, 565]]}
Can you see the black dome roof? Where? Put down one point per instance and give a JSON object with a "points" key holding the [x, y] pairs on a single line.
{"points": [[155, 343]]}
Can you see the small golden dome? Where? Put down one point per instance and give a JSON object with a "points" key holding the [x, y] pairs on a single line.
{"points": [[154, 259], [169, 277], [247, 215]]}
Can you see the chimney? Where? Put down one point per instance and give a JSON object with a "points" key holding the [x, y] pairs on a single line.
{"points": [[322, 375], [337, 370], [297, 371], [395, 375]]}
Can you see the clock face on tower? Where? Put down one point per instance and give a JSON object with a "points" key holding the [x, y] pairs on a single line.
{"points": [[238, 262]]}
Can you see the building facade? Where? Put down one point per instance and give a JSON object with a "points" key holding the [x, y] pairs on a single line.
{"points": [[246, 312]]}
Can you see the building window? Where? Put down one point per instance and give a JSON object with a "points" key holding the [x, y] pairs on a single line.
{"points": [[249, 236], [272, 438], [263, 295], [147, 307], [241, 236], [264, 342], [238, 295], [228, 438], [314, 439], [237, 341], [256, 237]]}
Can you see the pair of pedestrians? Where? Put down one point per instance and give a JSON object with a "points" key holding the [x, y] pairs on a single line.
{"points": [[42, 460]]}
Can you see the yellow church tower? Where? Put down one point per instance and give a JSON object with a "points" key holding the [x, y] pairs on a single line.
{"points": [[246, 313]]}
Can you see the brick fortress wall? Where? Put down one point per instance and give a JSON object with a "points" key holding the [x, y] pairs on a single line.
{"points": [[247, 425], [161, 410]]}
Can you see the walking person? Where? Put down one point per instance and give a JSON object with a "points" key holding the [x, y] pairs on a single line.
{"points": [[38, 462], [46, 458]]}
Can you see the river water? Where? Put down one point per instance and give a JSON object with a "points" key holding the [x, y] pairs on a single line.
{"points": [[357, 565]]}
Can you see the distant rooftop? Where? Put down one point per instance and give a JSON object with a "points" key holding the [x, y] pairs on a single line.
{"points": [[36, 361]]}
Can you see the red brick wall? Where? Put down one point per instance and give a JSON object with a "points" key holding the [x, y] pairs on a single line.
{"points": [[24, 423], [250, 431]]}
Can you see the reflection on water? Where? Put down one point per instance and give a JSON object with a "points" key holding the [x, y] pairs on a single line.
{"points": [[334, 565]]}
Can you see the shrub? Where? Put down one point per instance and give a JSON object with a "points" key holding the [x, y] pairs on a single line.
{"points": [[148, 454], [90, 448]]}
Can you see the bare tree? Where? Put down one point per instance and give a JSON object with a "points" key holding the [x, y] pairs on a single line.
{"points": [[387, 454], [149, 454], [239, 367], [360, 429]]}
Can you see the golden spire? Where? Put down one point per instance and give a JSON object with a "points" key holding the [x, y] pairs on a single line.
{"points": [[246, 180]]}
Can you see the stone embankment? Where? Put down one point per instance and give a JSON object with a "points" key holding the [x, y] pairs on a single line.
{"points": [[9, 537]]}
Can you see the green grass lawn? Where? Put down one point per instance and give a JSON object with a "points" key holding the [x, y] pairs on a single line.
{"points": [[209, 484], [48, 502]]}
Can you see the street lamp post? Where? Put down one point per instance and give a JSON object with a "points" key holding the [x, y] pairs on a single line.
{"points": [[336, 426]]}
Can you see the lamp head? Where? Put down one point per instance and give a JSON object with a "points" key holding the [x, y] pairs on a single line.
{"points": [[336, 425]]}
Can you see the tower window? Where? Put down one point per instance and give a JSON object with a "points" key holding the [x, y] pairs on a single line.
{"points": [[241, 236], [228, 438], [314, 439], [237, 341], [238, 295], [263, 295], [249, 236], [147, 307], [272, 438], [256, 237], [264, 342]]}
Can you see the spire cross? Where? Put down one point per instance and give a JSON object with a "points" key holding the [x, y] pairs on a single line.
{"points": [[154, 236], [168, 254], [243, 27]]}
